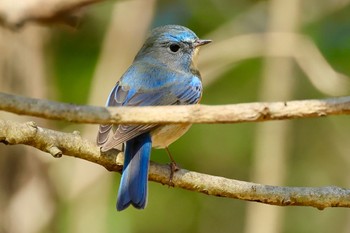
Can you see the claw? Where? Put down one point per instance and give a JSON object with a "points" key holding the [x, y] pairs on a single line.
{"points": [[173, 168]]}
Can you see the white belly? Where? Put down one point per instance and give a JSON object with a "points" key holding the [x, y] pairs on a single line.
{"points": [[163, 136]]}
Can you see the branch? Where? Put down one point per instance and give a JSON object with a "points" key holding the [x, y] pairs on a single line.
{"points": [[42, 11], [71, 144], [233, 113]]}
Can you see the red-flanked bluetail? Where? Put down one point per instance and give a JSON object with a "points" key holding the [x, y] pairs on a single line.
{"points": [[163, 73]]}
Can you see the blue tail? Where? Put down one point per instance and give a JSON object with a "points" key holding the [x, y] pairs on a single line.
{"points": [[133, 184]]}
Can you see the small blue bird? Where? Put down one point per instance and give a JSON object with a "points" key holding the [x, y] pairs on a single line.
{"points": [[164, 72]]}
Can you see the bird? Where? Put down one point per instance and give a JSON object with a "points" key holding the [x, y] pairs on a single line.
{"points": [[164, 72]]}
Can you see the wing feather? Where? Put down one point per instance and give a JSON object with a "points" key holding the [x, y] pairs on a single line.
{"points": [[177, 91]]}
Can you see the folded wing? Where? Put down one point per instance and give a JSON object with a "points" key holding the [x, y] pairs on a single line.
{"points": [[181, 91]]}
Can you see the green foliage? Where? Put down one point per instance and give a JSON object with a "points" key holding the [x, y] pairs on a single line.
{"points": [[75, 54], [223, 150]]}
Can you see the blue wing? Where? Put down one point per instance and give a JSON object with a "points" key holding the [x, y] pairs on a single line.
{"points": [[156, 87]]}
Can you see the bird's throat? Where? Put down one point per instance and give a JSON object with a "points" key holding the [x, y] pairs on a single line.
{"points": [[193, 67]]}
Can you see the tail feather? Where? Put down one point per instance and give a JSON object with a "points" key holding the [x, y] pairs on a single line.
{"points": [[133, 184]]}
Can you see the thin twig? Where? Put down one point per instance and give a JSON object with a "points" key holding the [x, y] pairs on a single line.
{"points": [[233, 113], [71, 144]]}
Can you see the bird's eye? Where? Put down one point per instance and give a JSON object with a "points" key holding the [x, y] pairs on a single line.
{"points": [[174, 48]]}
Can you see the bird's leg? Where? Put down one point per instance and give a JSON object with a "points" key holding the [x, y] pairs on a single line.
{"points": [[173, 166]]}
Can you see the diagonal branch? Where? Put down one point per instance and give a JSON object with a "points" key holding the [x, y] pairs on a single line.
{"points": [[233, 113], [42, 11], [71, 144]]}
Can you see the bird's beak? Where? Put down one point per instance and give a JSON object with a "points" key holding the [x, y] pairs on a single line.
{"points": [[199, 42]]}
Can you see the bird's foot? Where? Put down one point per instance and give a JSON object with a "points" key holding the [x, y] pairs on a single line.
{"points": [[173, 168]]}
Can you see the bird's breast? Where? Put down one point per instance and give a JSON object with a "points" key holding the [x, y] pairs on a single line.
{"points": [[164, 135]]}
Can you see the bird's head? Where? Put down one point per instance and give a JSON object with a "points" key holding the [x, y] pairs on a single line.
{"points": [[172, 45]]}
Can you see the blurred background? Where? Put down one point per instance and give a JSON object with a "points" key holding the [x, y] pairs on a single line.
{"points": [[262, 51]]}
